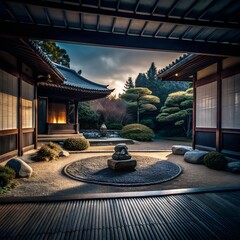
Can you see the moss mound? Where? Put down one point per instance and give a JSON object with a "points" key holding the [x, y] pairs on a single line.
{"points": [[137, 132], [215, 160], [6, 175], [49, 151], [74, 144]]}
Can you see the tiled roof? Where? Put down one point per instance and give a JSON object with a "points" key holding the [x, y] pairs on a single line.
{"points": [[73, 79]]}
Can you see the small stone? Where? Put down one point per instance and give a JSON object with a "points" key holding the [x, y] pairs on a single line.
{"points": [[233, 167], [124, 165], [180, 149], [64, 154], [21, 168], [121, 152], [195, 156]]}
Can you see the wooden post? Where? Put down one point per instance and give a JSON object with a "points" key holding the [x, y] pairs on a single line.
{"points": [[19, 112], [36, 117], [76, 117], [219, 107], [194, 112]]}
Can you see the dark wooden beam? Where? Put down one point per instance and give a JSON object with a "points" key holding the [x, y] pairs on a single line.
{"points": [[129, 15], [194, 112], [19, 112], [116, 40], [219, 107], [36, 117], [76, 117]]}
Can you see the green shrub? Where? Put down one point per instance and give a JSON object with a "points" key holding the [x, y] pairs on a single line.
{"points": [[6, 175], [215, 160], [54, 146], [80, 143], [147, 122], [45, 153], [137, 132]]}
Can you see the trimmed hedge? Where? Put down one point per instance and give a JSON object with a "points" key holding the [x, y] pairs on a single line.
{"points": [[49, 151], [137, 132], [215, 160], [6, 175], [74, 144]]}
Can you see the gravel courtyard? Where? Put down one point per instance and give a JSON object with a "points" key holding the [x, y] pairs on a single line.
{"points": [[49, 179]]}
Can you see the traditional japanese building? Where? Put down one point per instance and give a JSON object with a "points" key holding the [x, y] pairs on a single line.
{"points": [[216, 110], [58, 103], [25, 70]]}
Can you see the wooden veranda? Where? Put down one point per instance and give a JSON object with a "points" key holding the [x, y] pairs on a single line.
{"points": [[190, 215]]}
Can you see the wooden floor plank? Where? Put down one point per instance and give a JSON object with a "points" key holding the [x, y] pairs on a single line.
{"points": [[184, 216]]}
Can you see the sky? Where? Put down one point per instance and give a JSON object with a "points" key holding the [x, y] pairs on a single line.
{"points": [[113, 66]]}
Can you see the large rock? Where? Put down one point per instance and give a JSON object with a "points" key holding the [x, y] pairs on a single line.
{"points": [[180, 149], [233, 167], [123, 165], [121, 152], [21, 168], [194, 156], [64, 154]]}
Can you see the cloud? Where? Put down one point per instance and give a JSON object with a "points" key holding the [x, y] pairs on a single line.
{"points": [[113, 66]]}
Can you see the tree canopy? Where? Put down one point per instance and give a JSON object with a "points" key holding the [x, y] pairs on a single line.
{"points": [[141, 100], [159, 88], [177, 110], [54, 52]]}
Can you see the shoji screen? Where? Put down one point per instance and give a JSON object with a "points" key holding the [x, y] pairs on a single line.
{"points": [[231, 102], [8, 101], [27, 105], [206, 100]]}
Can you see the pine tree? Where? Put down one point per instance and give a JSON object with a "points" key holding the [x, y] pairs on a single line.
{"points": [[141, 80], [152, 72], [128, 84], [54, 52]]}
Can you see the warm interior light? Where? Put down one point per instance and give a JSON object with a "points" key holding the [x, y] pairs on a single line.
{"points": [[57, 113], [176, 74]]}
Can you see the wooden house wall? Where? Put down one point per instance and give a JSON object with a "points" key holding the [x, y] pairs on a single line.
{"points": [[216, 117], [17, 107]]}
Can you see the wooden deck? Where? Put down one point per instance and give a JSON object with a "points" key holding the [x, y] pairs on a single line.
{"points": [[205, 215]]}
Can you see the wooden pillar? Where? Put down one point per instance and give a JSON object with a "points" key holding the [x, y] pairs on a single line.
{"points": [[76, 117], [219, 107], [19, 112], [35, 140], [194, 112]]}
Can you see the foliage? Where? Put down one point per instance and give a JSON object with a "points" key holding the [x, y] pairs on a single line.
{"points": [[74, 144], [111, 109], [54, 52], [128, 84], [215, 160], [140, 99], [137, 132], [45, 153], [56, 147], [6, 175], [159, 88], [177, 111], [88, 117], [147, 122], [49, 151]]}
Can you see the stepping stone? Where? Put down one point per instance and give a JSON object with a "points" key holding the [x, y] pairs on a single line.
{"points": [[21, 168], [233, 167], [64, 154], [122, 165], [195, 156], [180, 149]]}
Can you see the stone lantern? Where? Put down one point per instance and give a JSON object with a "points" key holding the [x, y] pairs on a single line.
{"points": [[103, 130]]}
